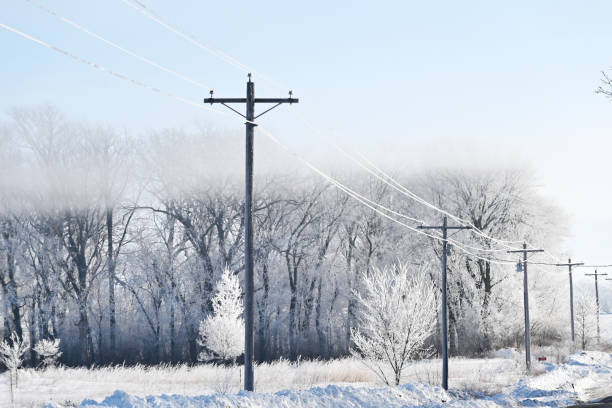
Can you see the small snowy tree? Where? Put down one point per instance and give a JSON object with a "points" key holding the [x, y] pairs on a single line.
{"points": [[222, 333], [49, 351], [11, 355], [398, 316], [586, 319]]}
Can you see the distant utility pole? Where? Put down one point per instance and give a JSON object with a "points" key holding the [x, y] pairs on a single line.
{"points": [[444, 229], [525, 251], [569, 264], [596, 298], [250, 117]]}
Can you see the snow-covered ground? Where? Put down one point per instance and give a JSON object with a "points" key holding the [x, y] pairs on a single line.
{"points": [[560, 385], [495, 382], [67, 386]]}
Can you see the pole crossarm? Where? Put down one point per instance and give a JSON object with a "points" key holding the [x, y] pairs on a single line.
{"points": [[256, 100], [441, 227]]}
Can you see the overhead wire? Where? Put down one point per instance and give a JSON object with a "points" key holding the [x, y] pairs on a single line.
{"points": [[396, 185], [109, 71], [115, 45], [390, 181], [351, 193], [152, 15], [264, 131], [149, 13]]}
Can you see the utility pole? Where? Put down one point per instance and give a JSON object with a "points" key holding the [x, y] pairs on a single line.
{"points": [[250, 117], [445, 227], [569, 264], [596, 298], [525, 251]]}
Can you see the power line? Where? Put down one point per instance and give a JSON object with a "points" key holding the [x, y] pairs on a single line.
{"points": [[352, 193], [595, 266], [181, 99], [107, 70], [152, 15], [117, 46], [149, 13], [143, 9], [387, 179]]}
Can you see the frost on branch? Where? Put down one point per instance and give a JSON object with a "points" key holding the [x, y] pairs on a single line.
{"points": [[398, 316], [586, 320], [12, 351], [49, 351], [11, 355], [222, 333]]}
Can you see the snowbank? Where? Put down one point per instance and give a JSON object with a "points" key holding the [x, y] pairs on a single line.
{"points": [[329, 396], [559, 386]]}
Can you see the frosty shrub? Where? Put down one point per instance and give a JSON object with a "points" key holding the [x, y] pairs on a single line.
{"points": [[586, 319], [398, 315], [222, 333], [48, 351], [11, 355]]}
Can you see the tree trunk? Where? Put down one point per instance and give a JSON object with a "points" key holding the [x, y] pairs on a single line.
{"points": [[33, 330], [111, 287], [261, 313], [319, 324], [84, 333], [292, 324], [11, 286], [171, 323]]}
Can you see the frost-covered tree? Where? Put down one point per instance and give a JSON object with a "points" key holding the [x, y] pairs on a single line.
{"points": [[586, 319], [222, 333], [398, 316], [48, 351], [11, 355]]}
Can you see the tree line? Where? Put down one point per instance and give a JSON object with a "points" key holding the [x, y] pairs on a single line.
{"points": [[114, 243]]}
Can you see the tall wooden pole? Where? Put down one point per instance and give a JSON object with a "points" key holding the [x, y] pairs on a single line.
{"points": [[444, 306], [525, 251], [249, 313], [569, 264]]}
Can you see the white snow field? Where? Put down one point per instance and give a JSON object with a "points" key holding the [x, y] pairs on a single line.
{"points": [[496, 382], [559, 386]]}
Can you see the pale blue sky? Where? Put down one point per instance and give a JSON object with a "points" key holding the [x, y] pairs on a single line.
{"points": [[428, 81]]}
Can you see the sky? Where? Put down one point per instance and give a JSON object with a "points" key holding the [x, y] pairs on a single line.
{"points": [[410, 82]]}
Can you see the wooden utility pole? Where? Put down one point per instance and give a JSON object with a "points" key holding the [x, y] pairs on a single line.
{"points": [[444, 341], [525, 251], [250, 117], [596, 298], [569, 264]]}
